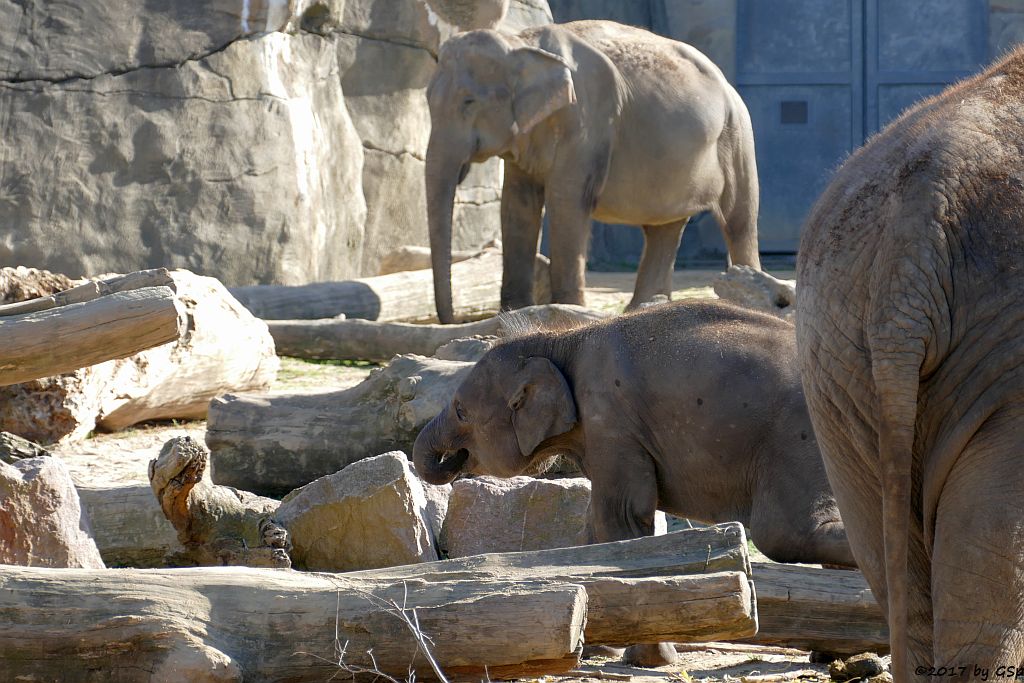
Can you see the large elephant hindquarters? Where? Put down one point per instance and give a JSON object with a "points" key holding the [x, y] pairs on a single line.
{"points": [[909, 322]]}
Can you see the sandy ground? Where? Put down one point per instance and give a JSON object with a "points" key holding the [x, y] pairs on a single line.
{"points": [[123, 458]]}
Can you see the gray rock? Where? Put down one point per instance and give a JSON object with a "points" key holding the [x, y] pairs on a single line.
{"points": [[757, 289], [57, 41], [371, 514], [437, 508], [42, 522], [154, 135], [490, 515], [14, 448]]}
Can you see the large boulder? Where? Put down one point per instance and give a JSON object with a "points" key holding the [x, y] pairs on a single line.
{"points": [[42, 523], [261, 142], [373, 513]]}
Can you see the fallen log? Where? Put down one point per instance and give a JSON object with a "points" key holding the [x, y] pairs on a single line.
{"points": [[224, 348], [272, 444], [406, 296], [688, 586], [828, 610], [379, 341], [238, 623], [63, 339], [129, 527], [93, 289]]}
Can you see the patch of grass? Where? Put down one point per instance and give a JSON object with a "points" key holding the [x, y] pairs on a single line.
{"points": [[305, 375], [333, 361]]}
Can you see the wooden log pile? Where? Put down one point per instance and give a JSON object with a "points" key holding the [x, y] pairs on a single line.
{"points": [[502, 616]]}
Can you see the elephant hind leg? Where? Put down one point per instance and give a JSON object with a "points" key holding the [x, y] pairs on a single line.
{"points": [[786, 534], [978, 554], [654, 276]]}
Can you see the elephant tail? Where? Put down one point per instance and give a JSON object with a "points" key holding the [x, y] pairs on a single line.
{"points": [[896, 360], [739, 203]]}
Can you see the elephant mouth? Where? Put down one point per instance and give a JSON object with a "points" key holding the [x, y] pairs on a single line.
{"points": [[454, 460], [448, 466]]}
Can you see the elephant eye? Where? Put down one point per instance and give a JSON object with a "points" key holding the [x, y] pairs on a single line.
{"points": [[468, 101], [460, 413]]}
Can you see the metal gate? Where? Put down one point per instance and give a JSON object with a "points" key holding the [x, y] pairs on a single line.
{"points": [[820, 77]]}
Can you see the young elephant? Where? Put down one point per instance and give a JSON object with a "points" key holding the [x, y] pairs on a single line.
{"points": [[694, 408]]}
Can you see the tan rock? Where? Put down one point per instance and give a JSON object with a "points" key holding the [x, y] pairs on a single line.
{"points": [[42, 523], [757, 289], [491, 515], [371, 514]]}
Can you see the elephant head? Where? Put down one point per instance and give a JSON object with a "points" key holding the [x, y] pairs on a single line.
{"points": [[498, 421], [486, 94]]}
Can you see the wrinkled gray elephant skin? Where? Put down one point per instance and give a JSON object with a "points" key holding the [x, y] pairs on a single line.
{"points": [[910, 322], [694, 408], [593, 119]]}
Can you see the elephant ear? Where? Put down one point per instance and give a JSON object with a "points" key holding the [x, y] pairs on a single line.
{"points": [[543, 85], [542, 406]]}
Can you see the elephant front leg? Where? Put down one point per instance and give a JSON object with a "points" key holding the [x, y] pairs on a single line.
{"points": [[623, 501], [522, 206], [657, 262]]}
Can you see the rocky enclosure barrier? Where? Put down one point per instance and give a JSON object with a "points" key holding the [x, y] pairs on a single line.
{"points": [[255, 140]]}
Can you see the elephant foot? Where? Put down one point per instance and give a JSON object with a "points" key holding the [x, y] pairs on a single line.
{"points": [[651, 655]]}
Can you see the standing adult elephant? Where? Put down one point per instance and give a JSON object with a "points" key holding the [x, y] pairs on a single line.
{"points": [[593, 119], [910, 328]]}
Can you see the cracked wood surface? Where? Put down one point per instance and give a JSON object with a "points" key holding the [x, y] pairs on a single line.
{"points": [[63, 339]]}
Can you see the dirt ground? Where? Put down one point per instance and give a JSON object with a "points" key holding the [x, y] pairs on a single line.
{"points": [[123, 458]]}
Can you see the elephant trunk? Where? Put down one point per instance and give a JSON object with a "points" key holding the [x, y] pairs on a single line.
{"points": [[445, 169], [436, 441]]}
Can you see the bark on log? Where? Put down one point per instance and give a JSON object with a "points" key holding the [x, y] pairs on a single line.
{"points": [[685, 586], [217, 525], [380, 341], [272, 444], [234, 624], [399, 297], [63, 339], [829, 610]]}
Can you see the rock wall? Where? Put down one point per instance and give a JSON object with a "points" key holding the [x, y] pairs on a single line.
{"points": [[260, 141]]}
